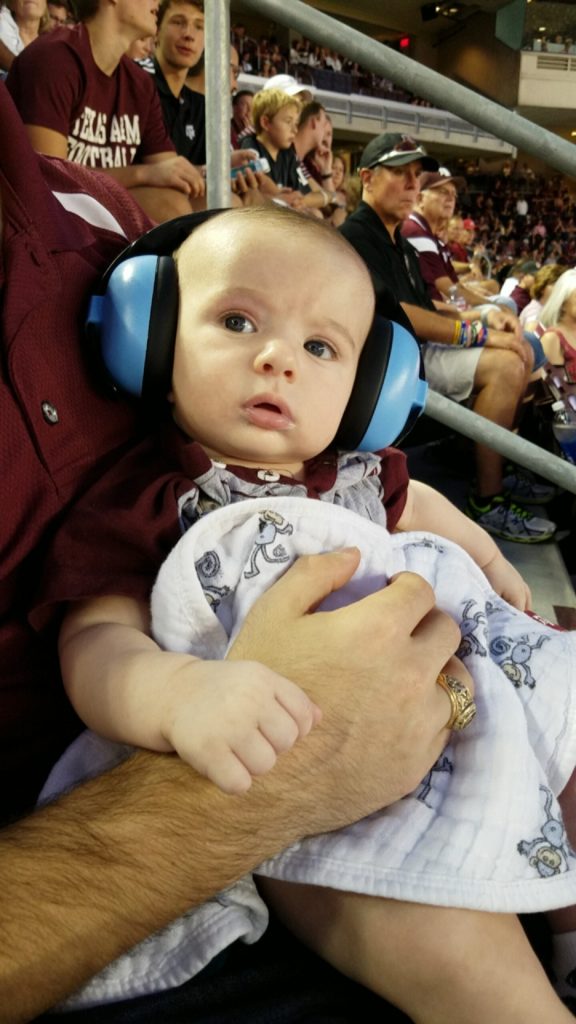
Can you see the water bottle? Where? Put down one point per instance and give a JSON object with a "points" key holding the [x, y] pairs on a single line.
{"points": [[455, 299], [564, 429]]}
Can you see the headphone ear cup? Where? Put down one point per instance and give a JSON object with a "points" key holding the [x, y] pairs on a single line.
{"points": [[135, 323], [389, 391]]}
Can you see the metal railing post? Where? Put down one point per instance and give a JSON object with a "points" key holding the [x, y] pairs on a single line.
{"points": [[217, 56], [540, 460]]}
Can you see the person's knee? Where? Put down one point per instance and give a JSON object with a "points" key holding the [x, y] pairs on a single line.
{"points": [[506, 371]]}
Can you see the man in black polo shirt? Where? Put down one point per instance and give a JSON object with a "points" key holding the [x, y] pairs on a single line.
{"points": [[179, 46], [462, 357]]}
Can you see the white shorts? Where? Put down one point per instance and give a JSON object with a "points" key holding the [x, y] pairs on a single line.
{"points": [[451, 370]]}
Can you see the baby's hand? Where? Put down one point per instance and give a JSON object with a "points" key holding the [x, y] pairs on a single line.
{"points": [[231, 719], [507, 582]]}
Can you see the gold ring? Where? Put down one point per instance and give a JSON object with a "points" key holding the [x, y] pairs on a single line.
{"points": [[462, 701]]}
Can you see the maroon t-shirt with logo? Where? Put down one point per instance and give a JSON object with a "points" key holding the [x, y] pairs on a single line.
{"points": [[109, 120], [58, 433]]}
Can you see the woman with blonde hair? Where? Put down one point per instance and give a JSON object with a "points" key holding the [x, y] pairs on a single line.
{"points": [[540, 292]]}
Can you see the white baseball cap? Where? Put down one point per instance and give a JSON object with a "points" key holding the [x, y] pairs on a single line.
{"points": [[288, 84]]}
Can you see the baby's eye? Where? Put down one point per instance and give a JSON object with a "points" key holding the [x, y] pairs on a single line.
{"points": [[320, 349], [238, 323]]}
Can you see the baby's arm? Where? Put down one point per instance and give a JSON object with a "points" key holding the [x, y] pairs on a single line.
{"points": [[427, 509], [228, 719]]}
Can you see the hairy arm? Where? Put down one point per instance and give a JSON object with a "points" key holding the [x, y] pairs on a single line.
{"points": [[87, 877]]}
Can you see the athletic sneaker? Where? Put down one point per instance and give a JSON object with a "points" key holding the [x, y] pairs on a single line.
{"points": [[523, 486], [510, 522]]}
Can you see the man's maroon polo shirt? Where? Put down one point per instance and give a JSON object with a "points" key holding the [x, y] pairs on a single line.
{"points": [[58, 433]]}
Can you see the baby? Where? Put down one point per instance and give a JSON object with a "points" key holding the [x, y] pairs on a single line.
{"points": [[274, 313]]}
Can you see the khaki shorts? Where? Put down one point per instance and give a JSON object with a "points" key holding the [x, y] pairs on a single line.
{"points": [[451, 370]]}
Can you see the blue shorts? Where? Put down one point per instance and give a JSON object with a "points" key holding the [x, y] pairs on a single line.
{"points": [[540, 359]]}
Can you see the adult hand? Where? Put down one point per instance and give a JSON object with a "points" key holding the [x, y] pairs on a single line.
{"points": [[294, 198], [255, 187], [323, 159], [175, 172], [503, 320], [372, 668], [241, 157], [508, 340]]}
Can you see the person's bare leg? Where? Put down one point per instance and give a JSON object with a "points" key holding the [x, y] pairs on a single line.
{"points": [[501, 380], [563, 921], [438, 965]]}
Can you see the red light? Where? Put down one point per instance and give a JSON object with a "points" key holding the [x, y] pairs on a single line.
{"points": [[405, 43]]}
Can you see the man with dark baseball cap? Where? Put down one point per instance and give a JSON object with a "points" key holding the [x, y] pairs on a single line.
{"points": [[394, 150], [463, 356]]}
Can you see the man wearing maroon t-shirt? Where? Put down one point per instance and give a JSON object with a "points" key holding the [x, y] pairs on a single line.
{"points": [[82, 99], [87, 877]]}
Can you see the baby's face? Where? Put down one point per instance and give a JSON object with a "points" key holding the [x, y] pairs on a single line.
{"points": [[270, 330]]}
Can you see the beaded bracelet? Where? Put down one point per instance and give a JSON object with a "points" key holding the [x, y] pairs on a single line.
{"points": [[469, 334], [478, 334], [457, 335]]}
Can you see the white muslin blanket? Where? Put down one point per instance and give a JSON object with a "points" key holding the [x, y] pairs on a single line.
{"points": [[483, 830]]}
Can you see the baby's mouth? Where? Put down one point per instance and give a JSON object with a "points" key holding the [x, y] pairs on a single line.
{"points": [[269, 415]]}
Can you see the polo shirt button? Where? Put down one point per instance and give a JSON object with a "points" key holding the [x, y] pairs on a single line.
{"points": [[50, 412]]}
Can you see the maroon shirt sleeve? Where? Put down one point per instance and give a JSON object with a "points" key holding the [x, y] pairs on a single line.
{"points": [[394, 479]]}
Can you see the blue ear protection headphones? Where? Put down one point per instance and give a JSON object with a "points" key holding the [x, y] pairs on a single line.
{"points": [[132, 323]]}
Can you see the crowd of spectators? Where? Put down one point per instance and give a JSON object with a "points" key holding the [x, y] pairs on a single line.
{"points": [[519, 215], [558, 43], [317, 65]]}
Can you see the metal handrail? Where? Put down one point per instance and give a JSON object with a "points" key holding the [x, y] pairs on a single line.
{"points": [[518, 449], [423, 82]]}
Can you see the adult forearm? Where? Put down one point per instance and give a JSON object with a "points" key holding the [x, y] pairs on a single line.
{"points": [[130, 177], [89, 876], [429, 326]]}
